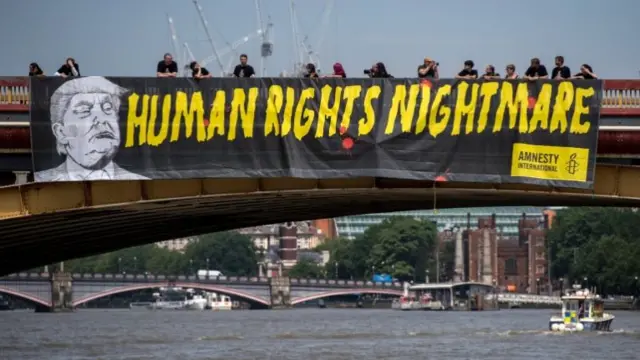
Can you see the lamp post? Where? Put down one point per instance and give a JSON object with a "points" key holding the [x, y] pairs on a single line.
{"points": [[207, 261], [190, 266], [336, 266], [119, 265], [135, 265], [561, 286]]}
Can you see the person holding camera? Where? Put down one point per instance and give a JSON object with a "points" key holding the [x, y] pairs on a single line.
{"points": [[429, 69], [378, 70], [468, 72]]}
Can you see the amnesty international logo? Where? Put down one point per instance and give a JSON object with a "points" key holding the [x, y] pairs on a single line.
{"points": [[549, 162], [572, 165]]}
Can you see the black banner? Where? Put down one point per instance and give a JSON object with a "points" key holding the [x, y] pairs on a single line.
{"points": [[503, 131]]}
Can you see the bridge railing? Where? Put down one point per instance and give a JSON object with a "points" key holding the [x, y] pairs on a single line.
{"points": [[618, 94], [146, 277], [525, 298]]}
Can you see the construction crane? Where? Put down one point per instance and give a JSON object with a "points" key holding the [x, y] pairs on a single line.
{"points": [[266, 48], [174, 37], [205, 24], [303, 51], [232, 48]]}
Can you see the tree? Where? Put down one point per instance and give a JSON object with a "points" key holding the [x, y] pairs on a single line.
{"points": [[306, 268], [601, 245], [403, 247], [230, 252]]}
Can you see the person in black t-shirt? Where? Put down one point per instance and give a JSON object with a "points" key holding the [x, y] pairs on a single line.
{"points": [[536, 71], [167, 68], [70, 68], [468, 72], [243, 69], [586, 72], [490, 73], [429, 69], [198, 72], [35, 70], [560, 72], [311, 71]]}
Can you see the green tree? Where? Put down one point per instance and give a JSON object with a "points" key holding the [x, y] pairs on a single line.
{"points": [[601, 245], [403, 247], [230, 252], [306, 268]]}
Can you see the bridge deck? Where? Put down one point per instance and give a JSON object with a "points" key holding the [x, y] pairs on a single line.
{"points": [[52, 220]]}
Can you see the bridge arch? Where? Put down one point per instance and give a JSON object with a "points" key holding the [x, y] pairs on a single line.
{"points": [[331, 293], [24, 296], [136, 287]]}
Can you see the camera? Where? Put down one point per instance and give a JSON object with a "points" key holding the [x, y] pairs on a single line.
{"points": [[367, 71]]}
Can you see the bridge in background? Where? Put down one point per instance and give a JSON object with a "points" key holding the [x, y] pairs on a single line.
{"points": [[39, 289], [57, 221]]}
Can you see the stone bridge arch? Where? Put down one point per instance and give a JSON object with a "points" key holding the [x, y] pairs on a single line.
{"points": [[340, 292], [25, 296], [206, 287]]}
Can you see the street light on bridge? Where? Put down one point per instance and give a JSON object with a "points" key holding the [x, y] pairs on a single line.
{"points": [[207, 261], [135, 265], [119, 265]]}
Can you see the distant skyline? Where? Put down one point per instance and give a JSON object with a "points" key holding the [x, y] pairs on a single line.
{"points": [[127, 38]]}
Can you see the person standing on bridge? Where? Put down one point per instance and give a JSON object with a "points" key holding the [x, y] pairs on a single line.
{"points": [[84, 121]]}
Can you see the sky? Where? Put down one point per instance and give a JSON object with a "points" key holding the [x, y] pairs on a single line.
{"points": [[129, 37]]}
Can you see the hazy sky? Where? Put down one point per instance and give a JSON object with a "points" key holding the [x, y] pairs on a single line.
{"points": [[128, 37]]}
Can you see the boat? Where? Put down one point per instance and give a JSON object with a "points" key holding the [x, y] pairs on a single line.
{"points": [[408, 301], [582, 310], [459, 296], [219, 302]]}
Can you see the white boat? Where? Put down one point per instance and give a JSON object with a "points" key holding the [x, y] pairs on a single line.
{"points": [[582, 310], [219, 302], [197, 302]]}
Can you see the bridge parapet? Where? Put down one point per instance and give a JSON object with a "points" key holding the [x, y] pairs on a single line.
{"points": [[527, 299], [620, 97], [148, 278]]}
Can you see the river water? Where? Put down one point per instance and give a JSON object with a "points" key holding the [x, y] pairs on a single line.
{"points": [[306, 334]]}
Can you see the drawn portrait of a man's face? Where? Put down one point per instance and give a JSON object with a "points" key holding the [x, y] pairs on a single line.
{"points": [[84, 118], [89, 130]]}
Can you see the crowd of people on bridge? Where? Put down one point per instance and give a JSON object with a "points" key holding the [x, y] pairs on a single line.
{"points": [[168, 68]]}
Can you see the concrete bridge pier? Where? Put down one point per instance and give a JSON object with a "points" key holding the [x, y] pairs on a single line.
{"points": [[280, 292], [61, 292]]}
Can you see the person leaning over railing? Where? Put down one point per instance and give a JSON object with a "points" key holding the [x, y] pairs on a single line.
{"points": [[511, 72], [338, 71], [490, 73], [586, 72], [35, 70], [69, 68], [199, 72]]}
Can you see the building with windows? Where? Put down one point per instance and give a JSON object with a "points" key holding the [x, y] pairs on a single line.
{"points": [[177, 244], [506, 219]]}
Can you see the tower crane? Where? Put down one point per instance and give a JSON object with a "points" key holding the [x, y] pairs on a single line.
{"points": [[303, 51], [232, 49], [266, 48]]}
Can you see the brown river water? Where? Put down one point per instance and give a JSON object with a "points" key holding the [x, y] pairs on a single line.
{"points": [[307, 334]]}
